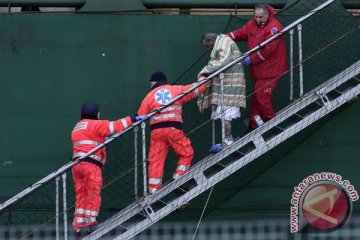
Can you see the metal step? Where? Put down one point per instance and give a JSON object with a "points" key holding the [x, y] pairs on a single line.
{"points": [[297, 116]]}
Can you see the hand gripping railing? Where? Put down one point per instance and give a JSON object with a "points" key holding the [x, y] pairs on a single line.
{"points": [[67, 166]]}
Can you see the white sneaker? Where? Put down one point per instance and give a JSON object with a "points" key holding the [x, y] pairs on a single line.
{"points": [[228, 141]]}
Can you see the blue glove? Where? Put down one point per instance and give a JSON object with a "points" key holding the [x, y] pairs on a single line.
{"points": [[246, 61], [141, 118], [216, 148]]}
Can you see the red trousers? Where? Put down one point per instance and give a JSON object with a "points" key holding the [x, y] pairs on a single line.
{"points": [[262, 100], [87, 179], [160, 141]]}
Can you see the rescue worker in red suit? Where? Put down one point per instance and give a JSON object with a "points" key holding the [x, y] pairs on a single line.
{"points": [[268, 64], [87, 134], [166, 128]]}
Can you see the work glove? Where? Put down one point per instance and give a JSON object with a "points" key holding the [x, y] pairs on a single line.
{"points": [[216, 148], [141, 118], [246, 61]]}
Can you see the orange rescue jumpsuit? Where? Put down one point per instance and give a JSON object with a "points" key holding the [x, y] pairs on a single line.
{"points": [[166, 131], [87, 175]]}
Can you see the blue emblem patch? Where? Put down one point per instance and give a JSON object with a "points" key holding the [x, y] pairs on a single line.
{"points": [[162, 96], [274, 31]]}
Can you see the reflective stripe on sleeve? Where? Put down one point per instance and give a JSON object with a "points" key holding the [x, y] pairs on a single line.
{"points": [[124, 123], [197, 93], [261, 57], [111, 128], [166, 116], [90, 142], [172, 108]]}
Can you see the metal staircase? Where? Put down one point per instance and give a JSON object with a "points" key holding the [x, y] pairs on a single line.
{"points": [[319, 102]]}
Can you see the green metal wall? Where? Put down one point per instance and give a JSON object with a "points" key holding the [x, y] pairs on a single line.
{"points": [[52, 63]]}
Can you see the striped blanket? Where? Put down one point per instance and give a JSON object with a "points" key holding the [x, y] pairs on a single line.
{"points": [[225, 50]]}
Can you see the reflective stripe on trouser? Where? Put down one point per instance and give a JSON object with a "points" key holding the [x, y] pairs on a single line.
{"points": [[180, 170], [87, 179], [154, 184], [262, 100], [84, 220], [93, 156], [160, 141]]}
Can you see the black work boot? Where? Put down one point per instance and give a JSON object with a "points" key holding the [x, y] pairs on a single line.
{"points": [[77, 234], [84, 231], [81, 232], [92, 228]]}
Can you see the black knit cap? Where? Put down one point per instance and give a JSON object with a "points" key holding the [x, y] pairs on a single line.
{"points": [[89, 111], [158, 77]]}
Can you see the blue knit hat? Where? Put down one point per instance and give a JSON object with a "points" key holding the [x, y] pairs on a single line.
{"points": [[89, 111]]}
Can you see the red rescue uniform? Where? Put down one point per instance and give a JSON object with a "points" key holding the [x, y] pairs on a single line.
{"points": [[166, 131], [87, 175], [268, 64]]}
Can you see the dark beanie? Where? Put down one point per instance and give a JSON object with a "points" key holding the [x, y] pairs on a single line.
{"points": [[158, 77], [89, 111]]}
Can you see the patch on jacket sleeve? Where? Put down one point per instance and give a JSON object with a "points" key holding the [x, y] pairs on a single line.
{"points": [[274, 30], [80, 125]]}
